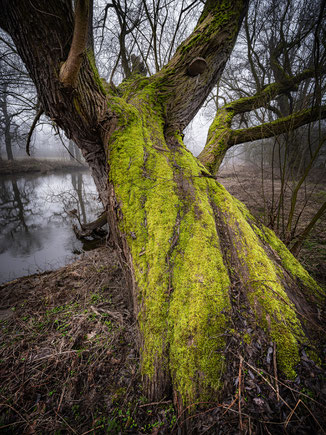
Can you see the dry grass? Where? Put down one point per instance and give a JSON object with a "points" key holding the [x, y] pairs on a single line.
{"points": [[68, 357]]}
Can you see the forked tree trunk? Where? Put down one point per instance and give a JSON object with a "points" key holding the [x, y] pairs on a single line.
{"points": [[202, 271]]}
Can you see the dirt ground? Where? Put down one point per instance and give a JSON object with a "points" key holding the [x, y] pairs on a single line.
{"points": [[69, 362], [68, 358]]}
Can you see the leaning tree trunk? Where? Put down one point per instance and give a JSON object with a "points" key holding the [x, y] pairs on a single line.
{"points": [[203, 273]]}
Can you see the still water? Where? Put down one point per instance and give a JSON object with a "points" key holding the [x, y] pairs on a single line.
{"points": [[35, 226]]}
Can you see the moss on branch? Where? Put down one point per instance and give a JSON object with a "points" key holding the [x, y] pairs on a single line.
{"points": [[217, 142], [270, 92], [221, 137], [279, 126]]}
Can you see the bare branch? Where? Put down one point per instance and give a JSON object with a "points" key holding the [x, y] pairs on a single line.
{"points": [[70, 69], [279, 126], [37, 117], [270, 92]]}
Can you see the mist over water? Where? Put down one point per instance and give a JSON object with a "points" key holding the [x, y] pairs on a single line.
{"points": [[35, 228]]}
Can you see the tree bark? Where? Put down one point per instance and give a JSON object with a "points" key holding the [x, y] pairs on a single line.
{"points": [[7, 124], [70, 68], [189, 243], [201, 271], [8, 143]]}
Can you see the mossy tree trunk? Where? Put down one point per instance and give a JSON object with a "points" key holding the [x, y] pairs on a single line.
{"points": [[202, 271]]}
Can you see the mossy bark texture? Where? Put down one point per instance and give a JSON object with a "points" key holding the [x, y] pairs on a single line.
{"points": [[189, 242], [202, 272]]}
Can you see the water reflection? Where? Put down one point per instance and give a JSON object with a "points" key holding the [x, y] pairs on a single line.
{"points": [[77, 182], [35, 226]]}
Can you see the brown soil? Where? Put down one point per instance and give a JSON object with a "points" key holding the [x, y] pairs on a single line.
{"points": [[69, 364], [31, 165]]}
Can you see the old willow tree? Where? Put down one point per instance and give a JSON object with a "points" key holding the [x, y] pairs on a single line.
{"points": [[202, 273]]}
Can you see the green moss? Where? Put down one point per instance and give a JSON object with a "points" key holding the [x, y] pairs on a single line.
{"points": [[272, 126], [247, 338], [184, 301], [313, 356], [249, 103], [217, 140], [289, 262], [221, 11], [144, 185], [273, 309], [215, 17], [131, 87], [96, 76], [292, 265], [183, 285], [200, 303]]}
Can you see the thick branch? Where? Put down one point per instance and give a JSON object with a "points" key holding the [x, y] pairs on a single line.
{"points": [[78, 113], [88, 229], [269, 93], [212, 40], [279, 126], [221, 137], [70, 69]]}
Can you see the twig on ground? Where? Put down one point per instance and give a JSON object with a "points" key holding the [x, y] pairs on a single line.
{"points": [[239, 395], [66, 423], [162, 402], [61, 397], [312, 415], [287, 421], [275, 374]]}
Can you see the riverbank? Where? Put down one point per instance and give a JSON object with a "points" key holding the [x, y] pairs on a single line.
{"points": [[69, 363], [30, 165], [68, 357]]}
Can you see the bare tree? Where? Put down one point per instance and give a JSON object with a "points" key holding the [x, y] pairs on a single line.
{"points": [[17, 97]]}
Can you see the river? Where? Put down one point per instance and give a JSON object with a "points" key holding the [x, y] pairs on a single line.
{"points": [[35, 224]]}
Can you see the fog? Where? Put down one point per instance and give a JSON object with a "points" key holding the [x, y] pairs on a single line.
{"points": [[45, 144]]}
